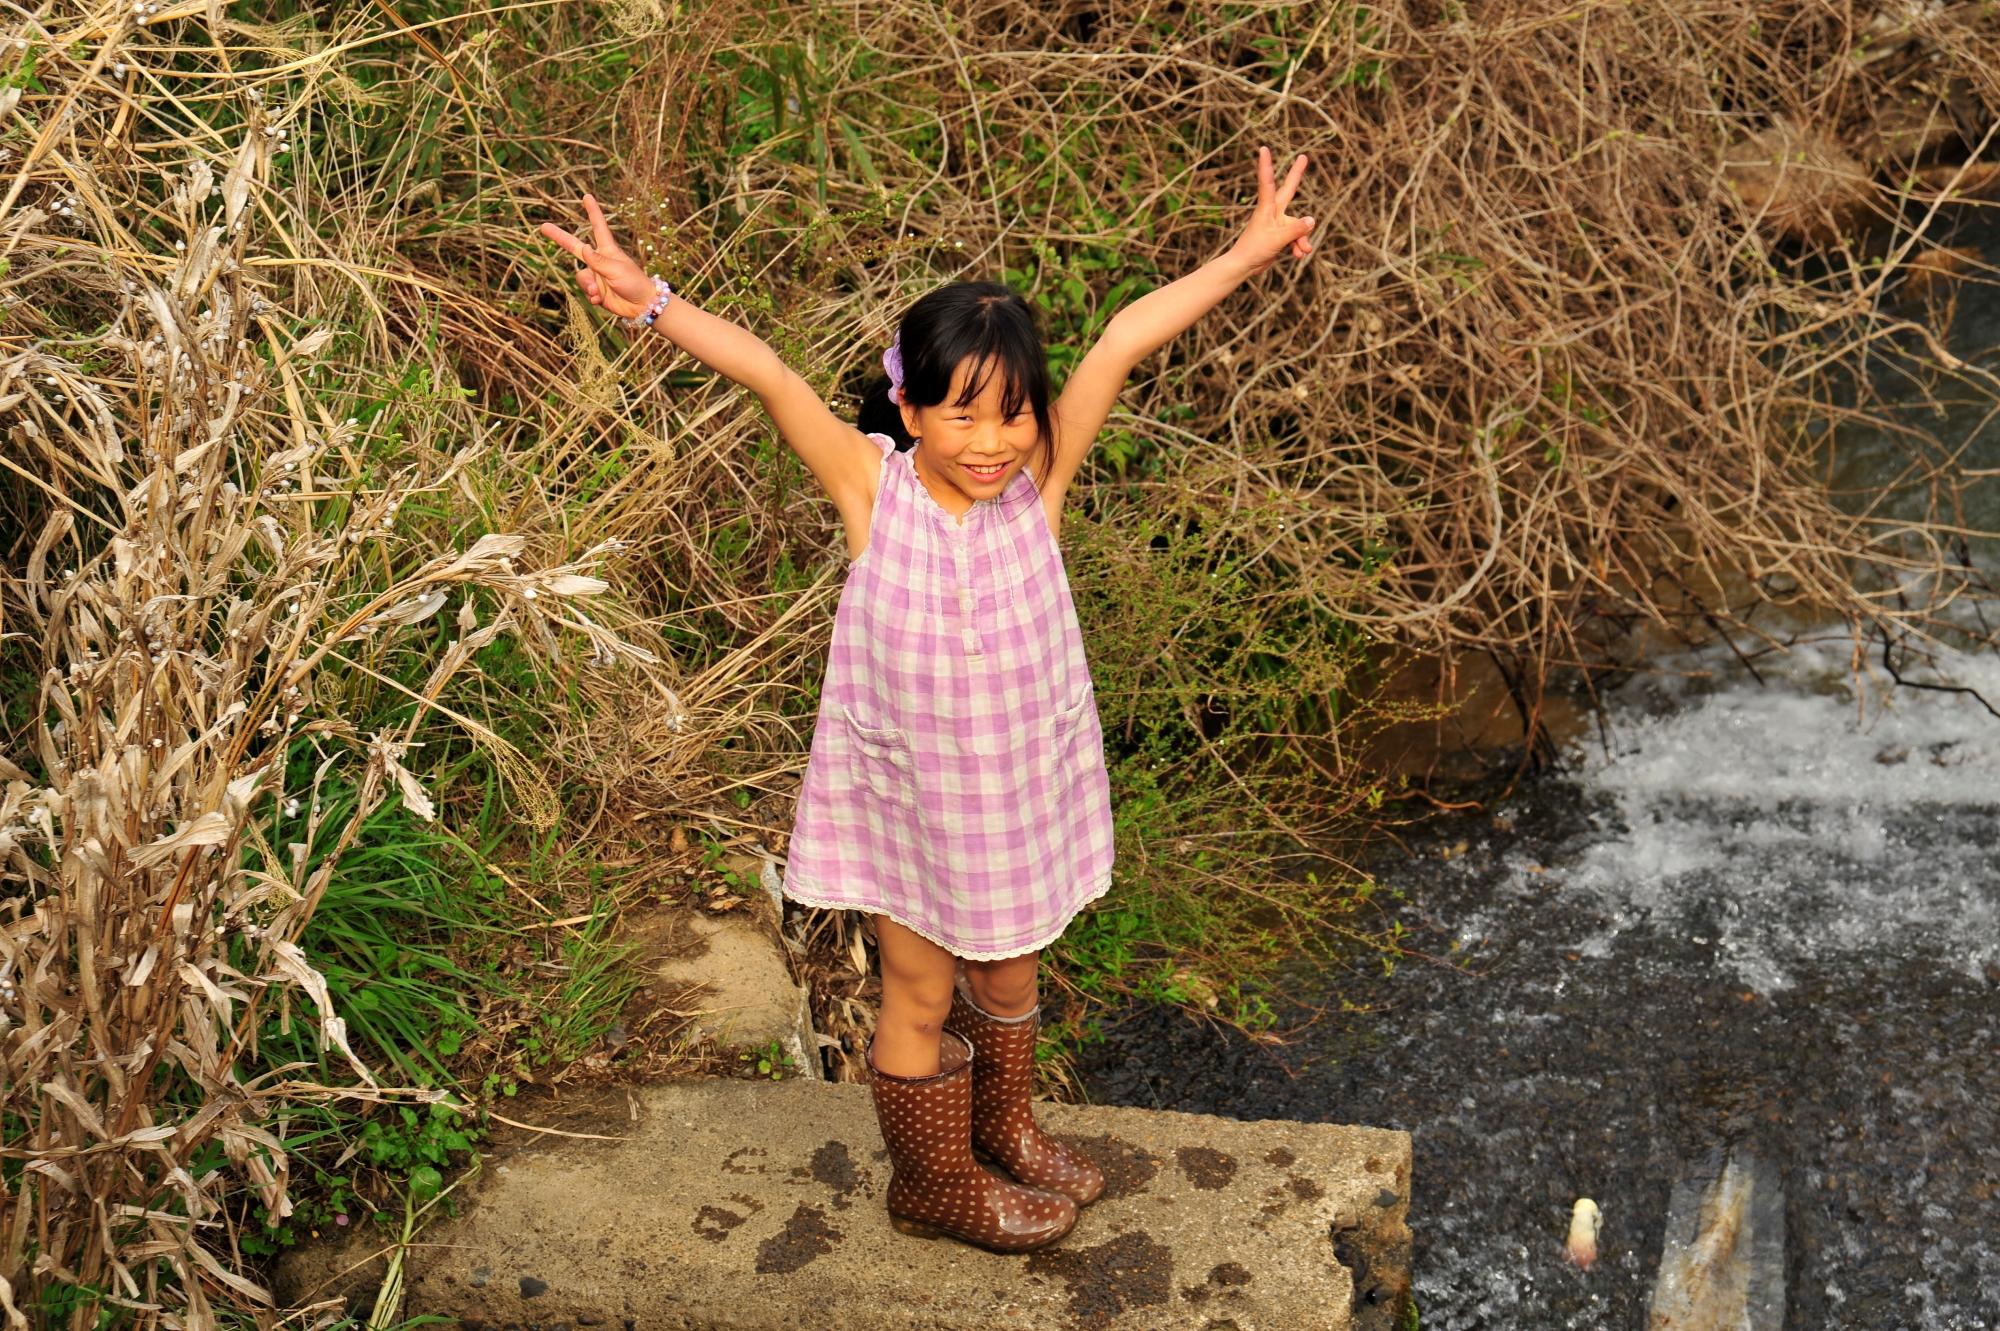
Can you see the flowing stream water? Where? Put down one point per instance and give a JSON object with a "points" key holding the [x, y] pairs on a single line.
{"points": [[1734, 974]]}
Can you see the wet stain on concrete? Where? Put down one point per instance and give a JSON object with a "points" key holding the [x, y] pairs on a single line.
{"points": [[713, 1223], [805, 1237], [1206, 1167], [1227, 1277], [833, 1166], [1281, 1156], [1279, 1197], [1127, 1169], [1131, 1271], [741, 1160]]}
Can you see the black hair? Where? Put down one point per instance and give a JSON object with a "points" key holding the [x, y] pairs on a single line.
{"points": [[991, 324]]}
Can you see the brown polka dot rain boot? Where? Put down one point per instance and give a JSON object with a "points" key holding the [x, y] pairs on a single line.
{"points": [[1003, 1084], [937, 1187]]}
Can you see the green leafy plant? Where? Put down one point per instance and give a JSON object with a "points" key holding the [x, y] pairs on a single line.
{"points": [[767, 1060]]}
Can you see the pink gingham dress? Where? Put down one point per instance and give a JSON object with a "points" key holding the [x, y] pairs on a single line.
{"points": [[956, 781]]}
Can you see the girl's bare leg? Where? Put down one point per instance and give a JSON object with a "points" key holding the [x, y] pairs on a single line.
{"points": [[1004, 988], [916, 996]]}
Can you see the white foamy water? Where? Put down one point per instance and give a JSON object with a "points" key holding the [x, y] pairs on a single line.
{"points": [[1805, 817]]}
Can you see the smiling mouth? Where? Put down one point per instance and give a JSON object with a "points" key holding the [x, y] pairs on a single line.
{"points": [[985, 473]]}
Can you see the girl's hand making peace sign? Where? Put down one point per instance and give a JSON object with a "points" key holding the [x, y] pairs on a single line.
{"points": [[845, 461], [1270, 233], [609, 276]]}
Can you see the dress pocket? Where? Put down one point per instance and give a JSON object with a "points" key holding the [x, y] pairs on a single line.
{"points": [[1070, 736], [880, 762]]}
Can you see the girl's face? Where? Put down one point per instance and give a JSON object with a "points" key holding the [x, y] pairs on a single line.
{"points": [[974, 449]]}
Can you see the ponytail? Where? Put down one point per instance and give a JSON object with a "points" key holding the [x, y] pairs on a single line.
{"points": [[878, 415]]}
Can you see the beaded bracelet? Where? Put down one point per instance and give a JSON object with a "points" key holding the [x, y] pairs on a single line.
{"points": [[661, 295]]}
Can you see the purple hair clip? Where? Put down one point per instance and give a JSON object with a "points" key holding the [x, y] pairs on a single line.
{"points": [[892, 362]]}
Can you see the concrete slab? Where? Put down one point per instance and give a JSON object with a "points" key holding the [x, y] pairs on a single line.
{"points": [[749, 997], [739, 1206]]}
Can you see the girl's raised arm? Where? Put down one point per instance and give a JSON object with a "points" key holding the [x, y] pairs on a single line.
{"points": [[843, 459], [1155, 319]]}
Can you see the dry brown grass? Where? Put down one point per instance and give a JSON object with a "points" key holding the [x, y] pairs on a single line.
{"points": [[205, 557], [1585, 274], [1553, 357]]}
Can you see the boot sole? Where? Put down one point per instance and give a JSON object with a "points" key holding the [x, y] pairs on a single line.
{"points": [[917, 1229]]}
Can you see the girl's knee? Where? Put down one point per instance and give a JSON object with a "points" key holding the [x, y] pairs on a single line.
{"points": [[921, 1000], [1007, 992]]}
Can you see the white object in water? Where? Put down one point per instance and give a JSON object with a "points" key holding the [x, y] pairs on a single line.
{"points": [[1584, 1220]]}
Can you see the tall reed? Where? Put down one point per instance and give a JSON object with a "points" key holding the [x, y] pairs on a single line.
{"points": [[208, 560]]}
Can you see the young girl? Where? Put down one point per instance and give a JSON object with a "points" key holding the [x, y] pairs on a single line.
{"points": [[956, 787]]}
